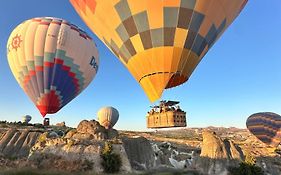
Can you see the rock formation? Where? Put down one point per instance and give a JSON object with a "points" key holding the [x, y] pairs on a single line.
{"points": [[79, 150], [215, 148], [217, 154], [139, 152], [17, 143], [89, 130], [61, 124], [169, 155], [146, 155]]}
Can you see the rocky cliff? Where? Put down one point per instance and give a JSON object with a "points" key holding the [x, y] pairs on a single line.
{"points": [[79, 150], [91, 130], [140, 153], [17, 143], [215, 148], [189, 150], [217, 155]]}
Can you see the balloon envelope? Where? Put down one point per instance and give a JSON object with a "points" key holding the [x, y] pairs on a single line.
{"points": [[108, 116], [159, 41], [26, 119], [266, 127], [52, 60]]}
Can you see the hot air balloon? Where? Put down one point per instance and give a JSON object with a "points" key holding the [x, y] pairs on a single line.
{"points": [[26, 119], [160, 41], [266, 126], [108, 116], [52, 60]]}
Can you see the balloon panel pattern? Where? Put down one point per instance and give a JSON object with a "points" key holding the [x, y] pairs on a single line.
{"points": [[266, 127], [52, 60], [159, 41]]}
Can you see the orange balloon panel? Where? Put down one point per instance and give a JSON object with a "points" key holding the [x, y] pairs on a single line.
{"points": [[161, 41]]}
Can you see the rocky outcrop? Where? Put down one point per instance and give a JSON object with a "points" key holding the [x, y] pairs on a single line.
{"points": [[91, 130], [6, 138], [139, 152], [215, 148], [79, 150], [61, 124], [233, 150], [217, 154], [65, 154], [169, 155], [17, 143]]}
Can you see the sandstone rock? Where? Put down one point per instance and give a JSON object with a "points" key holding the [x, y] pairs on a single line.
{"points": [[52, 134], [91, 130], [9, 149], [234, 151], [17, 143], [216, 148], [68, 154], [211, 166], [112, 133], [139, 152], [169, 155], [178, 164], [30, 140], [78, 150], [73, 155], [82, 136], [212, 146], [119, 149], [217, 154], [62, 124], [70, 133], [6, 138], [91, 127]]}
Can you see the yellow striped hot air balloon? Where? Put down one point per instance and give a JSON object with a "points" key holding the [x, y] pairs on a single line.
{"points": [[160, 41], [52, 60]]}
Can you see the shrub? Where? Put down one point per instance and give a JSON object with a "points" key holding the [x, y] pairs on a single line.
{"points": [[87, 165], [246, 169], [70, 143], [250, 160], [111, 162], [43, 137]]}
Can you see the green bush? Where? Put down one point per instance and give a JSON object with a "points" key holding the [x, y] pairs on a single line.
{"points": [[43, 137], [246, 169], [250, 160], [111, 162]]}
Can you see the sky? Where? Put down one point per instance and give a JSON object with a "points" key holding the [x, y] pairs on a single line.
{"points": [[239, 76]]}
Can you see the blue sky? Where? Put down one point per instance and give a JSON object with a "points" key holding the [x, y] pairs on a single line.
{"points": [[239, 76]]}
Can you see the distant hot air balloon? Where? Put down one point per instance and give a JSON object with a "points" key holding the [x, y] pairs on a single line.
{"points": [[26, 119], [108, 116], [160, 41], [52, 60], [266, 126]]}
